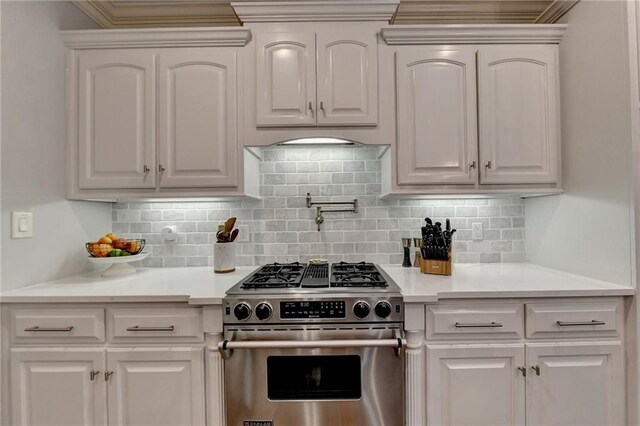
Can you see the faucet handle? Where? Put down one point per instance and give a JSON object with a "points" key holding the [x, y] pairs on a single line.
{"points": [[319, 218]]}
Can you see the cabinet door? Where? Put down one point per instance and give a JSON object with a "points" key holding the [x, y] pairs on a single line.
{"points": [[475, 385], [437, 136], [55, 387], [116, 119], [156, 386], [197, 100], [286, 73], [347, 78], [579, 384], [519, 107]]}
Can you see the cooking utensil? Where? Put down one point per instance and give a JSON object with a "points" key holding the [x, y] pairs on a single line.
{"points": [[234, 234], [229, 224], [222, 236]]}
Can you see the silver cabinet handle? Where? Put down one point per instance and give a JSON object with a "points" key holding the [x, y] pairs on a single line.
{"points": [[145, 169], [488, 165], [321, 105], [138, 328], [161, 169], [93, 374], [579, 323], [478, 325], [49, 329], [310, 106], [472, 165], [107, 374], [536, 368], [523, 370]]}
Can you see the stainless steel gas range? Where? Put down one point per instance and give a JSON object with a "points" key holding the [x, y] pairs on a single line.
{"points": [[314, 344]]}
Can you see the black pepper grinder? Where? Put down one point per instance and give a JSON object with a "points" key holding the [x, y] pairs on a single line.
{"points": [[406, 244]]}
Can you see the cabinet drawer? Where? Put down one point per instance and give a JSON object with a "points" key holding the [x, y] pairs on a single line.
{"points": [[57, 325], [155, 324], [474, 322], [576, 319]]}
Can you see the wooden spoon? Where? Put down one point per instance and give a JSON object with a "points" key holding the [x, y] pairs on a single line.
{"points": [[229, 224]]}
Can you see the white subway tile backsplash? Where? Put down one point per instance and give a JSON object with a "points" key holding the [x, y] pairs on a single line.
{"points": [[282, 228]]}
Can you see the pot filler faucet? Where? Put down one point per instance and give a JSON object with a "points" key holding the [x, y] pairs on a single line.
{"points": [[319, 220]]}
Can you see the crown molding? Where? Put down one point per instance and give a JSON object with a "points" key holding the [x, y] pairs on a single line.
{"points": [[158, 14], [469, 11], [312, 10], [555, 11], [115, 14], [474, 34], [174, 37]]}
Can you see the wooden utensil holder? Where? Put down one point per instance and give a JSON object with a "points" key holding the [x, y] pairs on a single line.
{"points": [[436, 267]]}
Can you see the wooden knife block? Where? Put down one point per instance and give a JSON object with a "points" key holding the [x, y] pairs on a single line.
{"points": [[436, 267]]}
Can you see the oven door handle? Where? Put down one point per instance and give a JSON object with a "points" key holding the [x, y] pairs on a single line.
{"points": [[226, 347]]}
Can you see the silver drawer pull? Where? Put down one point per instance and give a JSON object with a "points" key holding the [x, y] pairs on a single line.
{"points": [[138, 328], [36, 328], [478, 325], [578, 323]]}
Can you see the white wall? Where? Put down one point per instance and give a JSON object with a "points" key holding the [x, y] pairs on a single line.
{"points": [[588, 229], [33, 146]]}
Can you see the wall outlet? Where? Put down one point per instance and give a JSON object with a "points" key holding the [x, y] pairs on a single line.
{"points": [[476, 231], [243, 235]]}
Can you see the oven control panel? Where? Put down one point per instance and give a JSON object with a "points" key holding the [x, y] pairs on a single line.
{"points": [[313, 309], [364, 308]]}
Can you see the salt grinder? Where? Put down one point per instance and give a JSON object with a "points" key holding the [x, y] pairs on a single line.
{"points": [[406, 244], [418, 256]]}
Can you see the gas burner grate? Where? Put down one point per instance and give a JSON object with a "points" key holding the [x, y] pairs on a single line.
{"points": [[359, 267], [358, 279], [272, 281]]}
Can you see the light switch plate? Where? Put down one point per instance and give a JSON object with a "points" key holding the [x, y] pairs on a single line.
{"points": [[21, 224]]}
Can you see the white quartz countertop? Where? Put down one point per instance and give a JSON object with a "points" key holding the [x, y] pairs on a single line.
{"points": [[498, 280], [197, 285], [200, 286]]}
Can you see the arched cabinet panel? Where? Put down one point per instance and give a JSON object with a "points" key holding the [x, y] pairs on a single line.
{"points": [[197, 138]]}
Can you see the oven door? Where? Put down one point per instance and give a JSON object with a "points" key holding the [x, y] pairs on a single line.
{"points": [[303, 376]]}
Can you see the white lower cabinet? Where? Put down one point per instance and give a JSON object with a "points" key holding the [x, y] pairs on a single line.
{"points": [[475, 385], [559, 381], [57, 386], [62, 370], [156, 386], [129, 386], [577, 384]]}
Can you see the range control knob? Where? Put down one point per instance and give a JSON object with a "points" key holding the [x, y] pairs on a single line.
{"points": [[264, 311], [242, 311], [383, 309], [361, 309]]}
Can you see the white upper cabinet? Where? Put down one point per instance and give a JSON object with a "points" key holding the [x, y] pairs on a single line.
{"points": [[436, 110], [347, 78], [286, 79], [116, 119], [197, 106], [155, 113], [519, 126], [324, 79]]}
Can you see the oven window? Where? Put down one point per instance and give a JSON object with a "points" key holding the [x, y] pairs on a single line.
{"points": [[313, 377]]}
